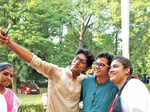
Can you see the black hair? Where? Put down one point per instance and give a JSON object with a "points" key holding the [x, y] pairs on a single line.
{"points": [[4, 65], [109, 56], [125, 62], [88, 54]]}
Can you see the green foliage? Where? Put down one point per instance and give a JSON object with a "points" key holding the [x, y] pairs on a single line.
{"points": [[37, 24], [34, 24], [148, 86], [139, 35], [31, 108]]}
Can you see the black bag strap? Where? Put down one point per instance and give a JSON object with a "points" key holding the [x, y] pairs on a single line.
{"points": [[117, 107], [119, 92]]}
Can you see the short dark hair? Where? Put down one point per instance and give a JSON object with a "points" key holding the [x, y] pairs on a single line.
{"points": [[4, 65], [105, 54], [125, 62], [88, 54]]}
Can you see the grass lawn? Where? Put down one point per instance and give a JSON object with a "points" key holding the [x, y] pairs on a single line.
{"points": [[37, 99], [30, 99]]}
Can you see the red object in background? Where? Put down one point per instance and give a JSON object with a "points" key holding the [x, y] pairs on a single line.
{"points": [[29, 88]]}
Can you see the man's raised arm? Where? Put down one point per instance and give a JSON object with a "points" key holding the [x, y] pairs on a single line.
{"points": [[19, 50]]}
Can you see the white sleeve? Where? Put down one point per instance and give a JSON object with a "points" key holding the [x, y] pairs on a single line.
{"points": [[3, 105], [136, 97]]}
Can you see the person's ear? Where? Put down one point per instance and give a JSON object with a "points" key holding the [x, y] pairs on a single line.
{"points": [[128, 71]]}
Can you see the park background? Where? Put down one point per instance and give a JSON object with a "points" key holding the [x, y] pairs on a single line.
{"points": [[54, 29]]}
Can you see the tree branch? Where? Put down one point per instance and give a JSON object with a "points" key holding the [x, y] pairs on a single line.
{"points": [[87, 24], [72, 43]]}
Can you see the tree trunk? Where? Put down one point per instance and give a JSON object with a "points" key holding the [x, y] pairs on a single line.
{"points": [[15, 77], [14, 84], [83, 29], [81, 38]]}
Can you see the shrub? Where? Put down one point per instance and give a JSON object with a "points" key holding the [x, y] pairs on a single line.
{"points": [[31, 108]]}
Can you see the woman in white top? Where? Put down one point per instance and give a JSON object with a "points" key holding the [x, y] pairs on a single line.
{"points": [[134, 97]]}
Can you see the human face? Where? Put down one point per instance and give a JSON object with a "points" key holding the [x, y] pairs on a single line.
{"points": [[6, 76], [118, 74], [101, 67], [79, 64]]}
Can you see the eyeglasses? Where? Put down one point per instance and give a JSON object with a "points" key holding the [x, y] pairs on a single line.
{"points": [[100, 64], [81, 60]]}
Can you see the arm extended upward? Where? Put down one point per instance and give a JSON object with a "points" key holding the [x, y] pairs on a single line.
{"points": [[18, 49]]}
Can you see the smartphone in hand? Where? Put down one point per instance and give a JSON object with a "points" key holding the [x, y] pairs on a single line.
{"points": [[8, 28]]}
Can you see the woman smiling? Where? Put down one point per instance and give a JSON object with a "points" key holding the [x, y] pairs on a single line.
{"points": [[133, 96], [6, 74]]}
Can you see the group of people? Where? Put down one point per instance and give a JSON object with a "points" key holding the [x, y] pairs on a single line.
{"points": [[109, 87]]}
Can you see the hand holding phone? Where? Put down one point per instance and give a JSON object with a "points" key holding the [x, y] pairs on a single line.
{"points": [[5, 33], [8, 28]]}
